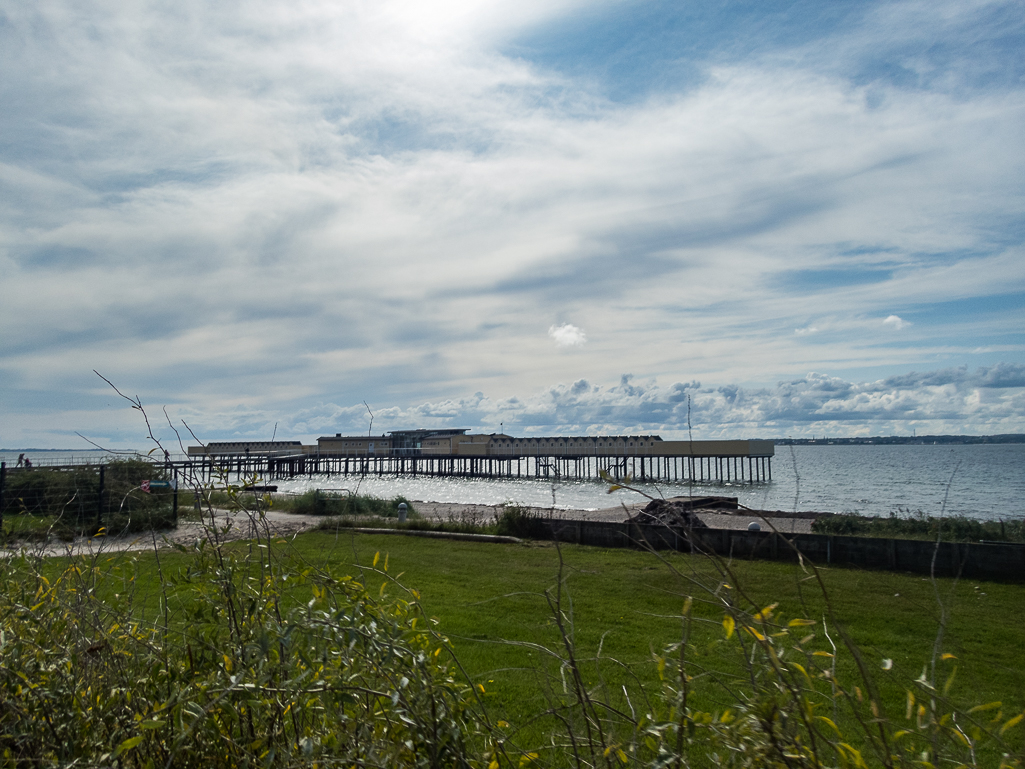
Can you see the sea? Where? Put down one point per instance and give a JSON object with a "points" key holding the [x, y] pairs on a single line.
{"points": [[985, 481]]}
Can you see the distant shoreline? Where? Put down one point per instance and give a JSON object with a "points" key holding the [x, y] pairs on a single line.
{"points": [[906, 440]]}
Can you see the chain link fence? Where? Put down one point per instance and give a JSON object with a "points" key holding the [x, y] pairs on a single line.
{"points": [[117, 497]]}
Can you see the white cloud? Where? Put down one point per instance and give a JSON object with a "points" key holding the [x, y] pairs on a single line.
{"points": [[896, 321], [567, 335], [314, 202], [989, 399]]}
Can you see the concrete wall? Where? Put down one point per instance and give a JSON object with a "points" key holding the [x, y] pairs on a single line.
{"points": [[1004, 562]]}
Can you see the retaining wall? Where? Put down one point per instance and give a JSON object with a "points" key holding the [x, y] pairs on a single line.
{"points": [[996, 561]]}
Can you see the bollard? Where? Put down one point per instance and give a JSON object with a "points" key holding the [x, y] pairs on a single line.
{"points": [[402, 512]]}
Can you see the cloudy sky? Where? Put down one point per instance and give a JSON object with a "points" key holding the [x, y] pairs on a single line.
{"points": [[799, 218]]}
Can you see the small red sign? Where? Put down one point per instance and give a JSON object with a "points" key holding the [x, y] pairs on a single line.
{"points": [[145, 486]]}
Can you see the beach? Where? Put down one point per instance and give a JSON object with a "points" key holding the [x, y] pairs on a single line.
{"points": [[451, 511]]}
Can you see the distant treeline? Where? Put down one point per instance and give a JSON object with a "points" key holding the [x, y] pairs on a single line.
{"points": [[903, 440]]}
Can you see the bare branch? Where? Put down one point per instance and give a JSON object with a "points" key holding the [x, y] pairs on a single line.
{"points": [[176, 433], [136, 404], [104, 448]]}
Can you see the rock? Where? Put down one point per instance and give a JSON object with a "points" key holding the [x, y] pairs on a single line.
{"points": [[669, 512]]}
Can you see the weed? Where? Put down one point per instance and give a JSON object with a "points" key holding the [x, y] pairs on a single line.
{"points": [[903, 524], [316, 502], [523, 522]]}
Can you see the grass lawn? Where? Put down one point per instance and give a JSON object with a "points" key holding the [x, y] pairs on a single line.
{"points": [[625, 607]]}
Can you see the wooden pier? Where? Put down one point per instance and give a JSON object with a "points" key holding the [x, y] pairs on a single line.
{"points": [[453, 454], [646, 467]]}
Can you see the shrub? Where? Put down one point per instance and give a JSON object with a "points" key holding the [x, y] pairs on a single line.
{"points": [[235, 672], [524, 523], [72, 502], [906, 525], [316, 502]]}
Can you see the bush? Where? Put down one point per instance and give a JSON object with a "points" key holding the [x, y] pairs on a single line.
{"points": [[906, 525], [316, 502], [71, 501], [235, 672], [524, 523]]}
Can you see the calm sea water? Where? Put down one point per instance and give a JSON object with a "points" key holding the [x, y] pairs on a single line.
{"points": [[980, 481]]}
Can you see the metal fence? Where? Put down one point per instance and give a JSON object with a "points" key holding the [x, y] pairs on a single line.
{"points": [[41, 501]]}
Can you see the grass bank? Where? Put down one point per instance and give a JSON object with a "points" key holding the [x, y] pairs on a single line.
{"points": [[624, 607], [524, 620], [284, 651]]}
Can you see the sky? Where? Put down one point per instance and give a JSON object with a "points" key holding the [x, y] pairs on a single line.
{"points": [[731, 218]]}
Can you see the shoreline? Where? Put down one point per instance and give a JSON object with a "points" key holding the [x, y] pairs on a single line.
{"points": [[238, 525], [786, 523]]}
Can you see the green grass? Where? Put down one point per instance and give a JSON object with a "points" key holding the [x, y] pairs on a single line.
{"points": [[490, 601], [25, 528], [36, 528], [489, 598]]}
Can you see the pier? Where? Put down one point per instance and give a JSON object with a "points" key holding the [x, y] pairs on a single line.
{"points": [[454, 454], [708, 469], [424, 453]]}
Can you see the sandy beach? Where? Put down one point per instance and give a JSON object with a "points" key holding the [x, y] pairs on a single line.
{"points": [[450, 511]]}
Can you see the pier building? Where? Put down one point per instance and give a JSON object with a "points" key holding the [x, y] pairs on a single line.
{"points": [[455, 452]]}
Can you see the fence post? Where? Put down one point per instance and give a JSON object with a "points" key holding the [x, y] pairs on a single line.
{"points": [[99, 500], [175, 502], [3, 483]]}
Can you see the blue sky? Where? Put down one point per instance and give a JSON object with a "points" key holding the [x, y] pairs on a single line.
{"points": [[803, 218]]}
